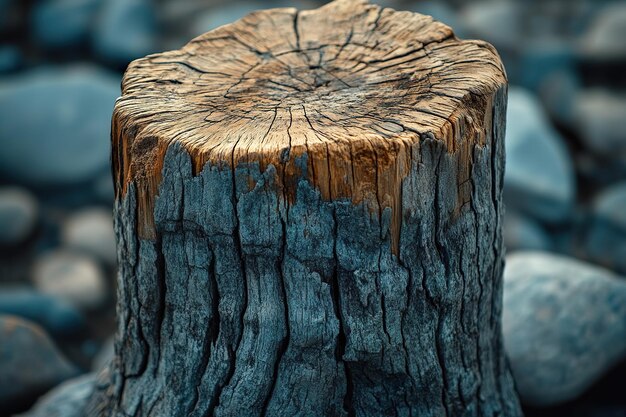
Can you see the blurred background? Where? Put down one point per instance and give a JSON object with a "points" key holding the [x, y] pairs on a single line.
{"points": [[61, 63]]}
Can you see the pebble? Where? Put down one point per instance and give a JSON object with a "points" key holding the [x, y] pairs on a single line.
{"points": [[523, 233], [30, 364], [600, 117], [564, 325], [73, 277], [126, 30], [539, 178], [606, 238], [90, 231], [558, 92], [69, 399], [10, 58], [57, 316], [60, 24], [63, 118], [605, 37], [19, 213], [499, 22]]}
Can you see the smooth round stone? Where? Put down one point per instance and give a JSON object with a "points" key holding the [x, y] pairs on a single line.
{"points": [[558, 92], [499, 23], [126, 30], [539, 178], [69, 399], [10, 58], [60, 24], [564, 325], [19, 212], [30, 364], [606, 238], [58, 132], [601, 120], [70, 276], [91, 231], [522, 233], [57, 316], [606, 34]]}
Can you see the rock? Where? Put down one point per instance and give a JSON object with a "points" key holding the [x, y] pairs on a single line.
{"points": [[605, 37], [543, 57], [522, 233], [564, 325], [10, 58], [62, 119], [30, 364], [539, 178], [72, 277], [606, 237], [126, 30], [499, 23], [58, 24], [558, 92], [91, 231], [57, 316], [67, 400], [600, 117], [19, 212]]}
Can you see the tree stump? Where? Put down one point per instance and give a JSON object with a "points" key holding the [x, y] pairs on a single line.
{"points": [[308, 213]]}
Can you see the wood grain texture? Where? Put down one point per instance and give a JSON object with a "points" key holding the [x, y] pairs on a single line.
{"points": [[308, 218]]}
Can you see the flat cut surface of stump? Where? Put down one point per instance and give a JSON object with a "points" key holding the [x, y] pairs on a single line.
{"points": [[351, 86]]}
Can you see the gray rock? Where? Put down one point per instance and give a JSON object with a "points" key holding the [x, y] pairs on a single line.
{"points": [[63, 23], [498, 22], [57, 316], [539, 178], [71, 276], [62, 119], [606, 238], [69, 399], [91, 231], [564, 324], [10, 58], [522, 233], [30, 364], [601, 120], [605, 37], [126, 30], [19, 211], [558, 92]]}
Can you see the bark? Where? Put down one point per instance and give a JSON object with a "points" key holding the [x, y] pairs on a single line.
{"points": [[308, 218]]}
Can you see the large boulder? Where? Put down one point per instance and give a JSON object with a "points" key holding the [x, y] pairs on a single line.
{"points": [[564, 324], [30, 364], [58, 132]]}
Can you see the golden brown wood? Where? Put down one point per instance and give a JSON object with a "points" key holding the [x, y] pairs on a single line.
{"points": [[350, 85]]}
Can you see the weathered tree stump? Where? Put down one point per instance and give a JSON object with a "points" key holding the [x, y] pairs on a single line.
{"points": [[308, 216]]}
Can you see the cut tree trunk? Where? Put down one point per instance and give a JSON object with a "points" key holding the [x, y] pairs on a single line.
{"points": [[308, 214]]}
